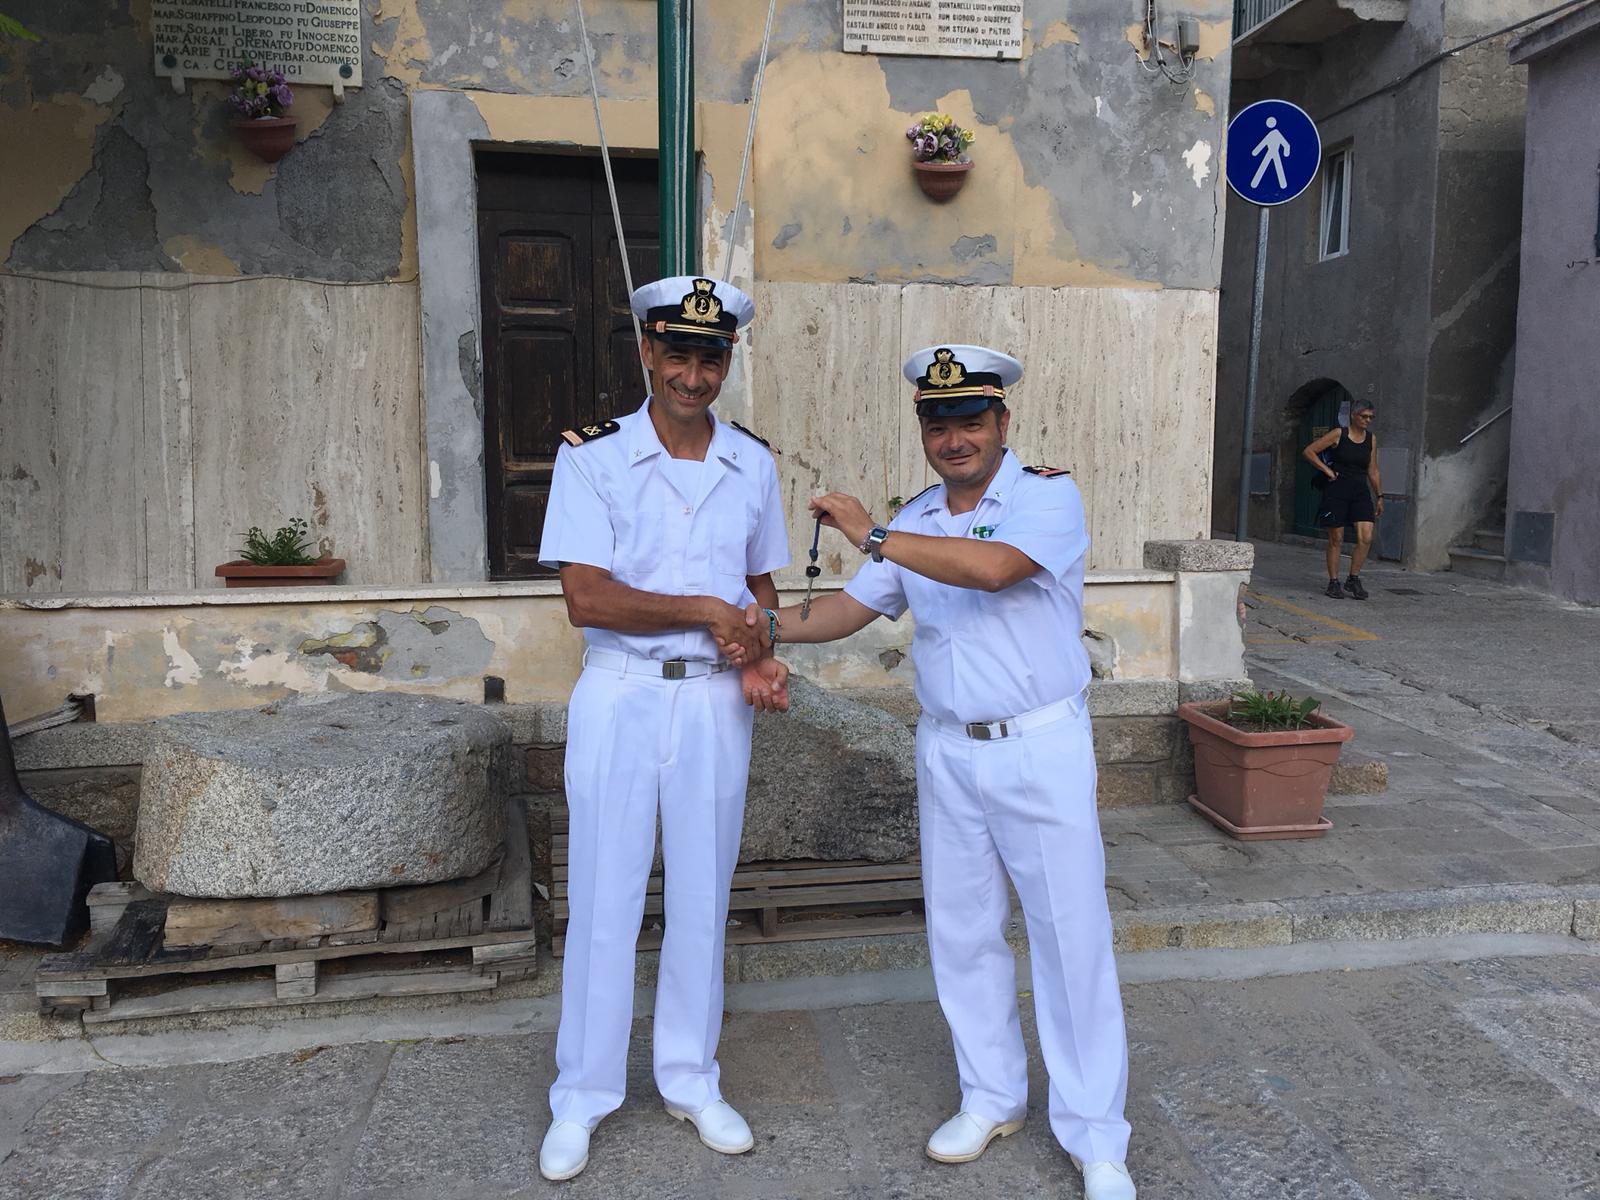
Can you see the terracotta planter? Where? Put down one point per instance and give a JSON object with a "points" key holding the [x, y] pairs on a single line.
{"points": [[268, 138], [941, 180], [239, 573], [1260, 786]]}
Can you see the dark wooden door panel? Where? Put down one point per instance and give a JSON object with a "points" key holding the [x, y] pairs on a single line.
{"points": [[536, 271], [558, 341], [539, 366]]}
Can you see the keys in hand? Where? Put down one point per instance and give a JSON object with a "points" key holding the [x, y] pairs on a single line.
{"points": [[813, 570]]}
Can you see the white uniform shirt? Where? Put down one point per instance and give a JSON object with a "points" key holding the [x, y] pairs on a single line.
{"points": [[985, 656], [614, 506]]}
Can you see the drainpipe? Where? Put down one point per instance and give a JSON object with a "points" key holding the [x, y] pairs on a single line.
{"points": [[680, 249]]}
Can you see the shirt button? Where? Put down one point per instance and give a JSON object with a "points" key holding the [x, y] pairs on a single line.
{"points": [[687, 511]]}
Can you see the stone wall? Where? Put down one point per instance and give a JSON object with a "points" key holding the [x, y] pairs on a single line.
{"points": [[171, 397], [1556, 424], [1434, 220]]}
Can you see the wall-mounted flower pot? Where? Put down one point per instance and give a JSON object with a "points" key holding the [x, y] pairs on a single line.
{"points": [[941, 180], [268, 138], [240, 573], [1261, 786]]}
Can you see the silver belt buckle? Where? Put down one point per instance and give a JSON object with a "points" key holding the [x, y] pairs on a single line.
{"points": [[987, 731], [675, 668]]}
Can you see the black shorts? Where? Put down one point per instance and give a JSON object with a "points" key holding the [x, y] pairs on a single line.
{"points": [[1345, 502]]}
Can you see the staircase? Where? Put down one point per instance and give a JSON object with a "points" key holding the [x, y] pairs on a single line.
{"points": [[1484, 557]]}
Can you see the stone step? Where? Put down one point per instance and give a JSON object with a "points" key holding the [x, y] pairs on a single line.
{"points": [[1480, 564], [1491, 541]]}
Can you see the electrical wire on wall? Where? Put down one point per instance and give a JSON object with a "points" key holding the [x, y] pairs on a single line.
{"points": [[1157, 62]]}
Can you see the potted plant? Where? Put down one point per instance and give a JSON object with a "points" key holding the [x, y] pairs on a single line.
{"points": [[279, 561], [260, 99], [939, 154], [1262, 763]]}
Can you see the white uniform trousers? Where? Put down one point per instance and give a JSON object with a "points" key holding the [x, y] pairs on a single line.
{"points": [[636, 744], [1024, 805]]}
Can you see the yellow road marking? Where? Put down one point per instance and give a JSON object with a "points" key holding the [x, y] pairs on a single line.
{"points": [[1349, 632]]}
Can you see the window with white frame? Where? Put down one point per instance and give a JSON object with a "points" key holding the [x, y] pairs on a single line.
{"points": [[1334, 239]]}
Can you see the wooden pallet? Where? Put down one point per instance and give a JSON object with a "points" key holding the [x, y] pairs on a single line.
{"points": [[457, 936], [777, 901]]}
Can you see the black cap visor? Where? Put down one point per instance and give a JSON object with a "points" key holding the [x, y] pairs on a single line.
{"points": [[690, 341], [930, 408]]}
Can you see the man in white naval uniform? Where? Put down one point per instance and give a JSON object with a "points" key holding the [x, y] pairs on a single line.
{"points": [[990, 563], [664, 524]]}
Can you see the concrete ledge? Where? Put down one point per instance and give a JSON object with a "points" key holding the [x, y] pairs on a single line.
{"points": [[1199, 691], [1202, 927], [83, 744], [1132, 697], [1497, 908], [1357, 775], [1201, 554], [1586, 912]]}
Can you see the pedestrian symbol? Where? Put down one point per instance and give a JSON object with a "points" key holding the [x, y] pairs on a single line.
{"points": [[1273, 152], [1272, 148]]}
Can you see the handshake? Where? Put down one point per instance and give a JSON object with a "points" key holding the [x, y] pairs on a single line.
{"points": [[743, 638]]}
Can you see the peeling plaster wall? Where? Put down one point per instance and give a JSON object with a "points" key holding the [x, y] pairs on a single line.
{"points": [[1092, 176], [1418, 317], [173, 654]]}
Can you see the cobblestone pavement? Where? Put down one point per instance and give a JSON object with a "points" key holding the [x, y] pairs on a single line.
{"points": [[1479, 699], [1468, 1081]]}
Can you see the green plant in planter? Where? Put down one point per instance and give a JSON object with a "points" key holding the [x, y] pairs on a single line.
{"points": [[1261, 711], [285, 548]]}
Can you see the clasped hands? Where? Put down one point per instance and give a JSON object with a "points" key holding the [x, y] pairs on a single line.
{"points": [[746, 642]]}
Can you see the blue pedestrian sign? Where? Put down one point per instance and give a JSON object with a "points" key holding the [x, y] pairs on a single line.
{"points": [[1273, 152]]}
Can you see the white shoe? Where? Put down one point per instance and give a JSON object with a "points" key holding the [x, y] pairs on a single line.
{"points": [[965, 1136], [565, 1151], [720, 1127], [1105, 1180]]}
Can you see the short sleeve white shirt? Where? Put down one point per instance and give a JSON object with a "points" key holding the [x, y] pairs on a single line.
{"points": [[983, 656], [615, 505]]}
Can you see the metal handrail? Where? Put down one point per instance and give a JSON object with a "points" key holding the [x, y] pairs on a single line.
{"points": [[1484, 426], [1248, 14]]}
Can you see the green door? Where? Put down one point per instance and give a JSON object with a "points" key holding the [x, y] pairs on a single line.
{"points": [[1320, 415]]}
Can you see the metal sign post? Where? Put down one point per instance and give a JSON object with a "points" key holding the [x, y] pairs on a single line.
{"points": [[1273, 153]]}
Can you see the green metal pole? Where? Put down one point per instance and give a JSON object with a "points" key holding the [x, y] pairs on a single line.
{"points": [[680, 214]]}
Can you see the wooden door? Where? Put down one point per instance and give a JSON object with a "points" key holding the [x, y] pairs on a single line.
{"points": [[558, 347]]}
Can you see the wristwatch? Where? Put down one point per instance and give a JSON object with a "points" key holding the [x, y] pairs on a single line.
{"points": [[873, 543]]}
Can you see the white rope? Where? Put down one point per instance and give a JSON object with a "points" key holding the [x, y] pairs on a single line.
{"points": [[749, 139], [611, 187]]}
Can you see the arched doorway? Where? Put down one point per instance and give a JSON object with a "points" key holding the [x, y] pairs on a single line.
{"points": [[1323, 404]]}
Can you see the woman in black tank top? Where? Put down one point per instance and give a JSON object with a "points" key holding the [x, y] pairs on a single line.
{"points": [[1351, 466]]}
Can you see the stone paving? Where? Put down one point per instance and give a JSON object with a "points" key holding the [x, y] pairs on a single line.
{"points": [[1479, 699], [1468, 1081]]}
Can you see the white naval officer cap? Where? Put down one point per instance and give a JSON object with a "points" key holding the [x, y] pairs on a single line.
{"points": [[693, 311], [956, 380]]}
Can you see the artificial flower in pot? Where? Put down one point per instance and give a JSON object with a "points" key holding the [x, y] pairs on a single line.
{"points": [[939, 154], [260, 99]]}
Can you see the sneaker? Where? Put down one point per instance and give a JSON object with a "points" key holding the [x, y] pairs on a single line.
{"points": [[1334, 592], [1354, 587]]}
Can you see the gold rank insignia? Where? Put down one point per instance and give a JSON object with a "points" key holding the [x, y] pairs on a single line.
{"points": [[945, 370], [701, 305], [1047, 472], [588, 433]]}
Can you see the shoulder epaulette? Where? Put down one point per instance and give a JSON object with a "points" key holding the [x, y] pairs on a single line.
{"points": [[1047, 472], [757, 436], [919, 495], [589, 433]]}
